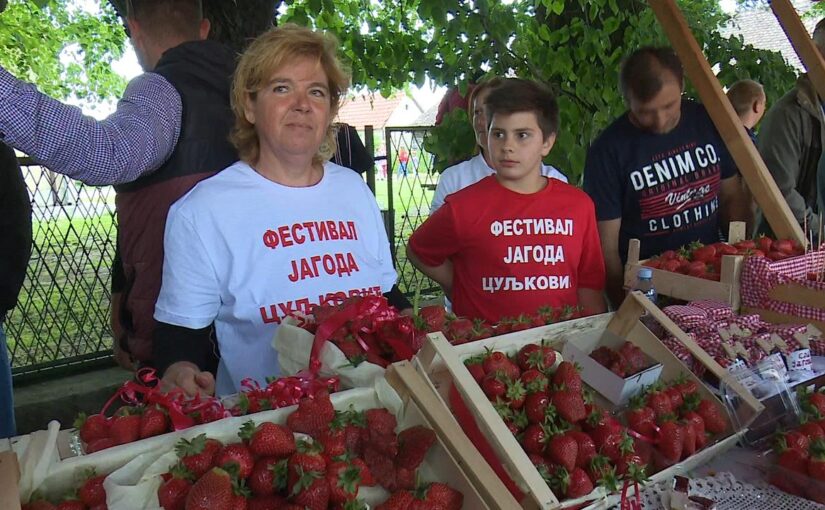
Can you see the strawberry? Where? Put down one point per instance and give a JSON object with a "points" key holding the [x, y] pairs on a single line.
{"points": [[437, 495], [459, 331], [334, 441], [715, 423], [236, 455], [100, 444], [535, 406], [92, 428], [308, 458], [698, 425], [534, 356], [792, 439], [567, 375], [212, 491], [474, 365], [494, 386], [796, 462], [268, 476], [313, 415], [197, 454], [633, 357], [153, 422], [534, 381], [534, 439], [675, 397], [563, 449], [586, 450], [499, 362], [40, 504], [343, 479], [434, 316], [399, 500], [569, 405], [381, 421], [91, 493], [413, 445], [689, 440], [273, 502], [125, 428], [641, 418], [481, 330], [268, 439], [381, 466], [811, 430], [816, 470], [686, 386], [308, 489], [71, 504], [172, 492], [515, 394], [367, 479], [607, 437], [575, 483], [671, 441], [659, 401], [405, 478]]}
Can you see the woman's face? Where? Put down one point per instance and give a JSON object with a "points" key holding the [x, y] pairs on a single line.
{"points": [[480, 118], [291, 113]]}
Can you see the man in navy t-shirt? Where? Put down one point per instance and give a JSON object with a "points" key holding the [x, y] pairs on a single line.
{"points": [[660, 172]]}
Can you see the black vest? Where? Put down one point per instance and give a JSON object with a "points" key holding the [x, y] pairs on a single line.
{"points": [[201, 72]]}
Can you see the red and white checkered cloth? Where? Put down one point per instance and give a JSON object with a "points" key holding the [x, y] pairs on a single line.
{"points": [[716, 310], [686, 317], [760, 275], [752, 322], [818, 347]]}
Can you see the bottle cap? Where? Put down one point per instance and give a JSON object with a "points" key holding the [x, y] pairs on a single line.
{"points": [[645, 272]]}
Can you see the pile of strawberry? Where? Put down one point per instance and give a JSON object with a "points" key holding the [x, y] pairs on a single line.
{"points": [[271, 469], [800, 453], [129, 424], [460, 330], [705, 261], [574, 443], [89, 496], [628, 360]]}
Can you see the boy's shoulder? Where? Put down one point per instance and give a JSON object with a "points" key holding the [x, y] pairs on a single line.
{"points": [[482, 189]]}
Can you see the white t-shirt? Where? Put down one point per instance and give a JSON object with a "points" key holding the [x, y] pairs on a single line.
{"points": [[458, 177], [243, 251]]}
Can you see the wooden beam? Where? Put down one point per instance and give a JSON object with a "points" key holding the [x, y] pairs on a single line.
{"points": [[801, 41], [744, 153]]}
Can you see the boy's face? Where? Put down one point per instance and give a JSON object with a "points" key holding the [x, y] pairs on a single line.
{"points": [[517, 145]]}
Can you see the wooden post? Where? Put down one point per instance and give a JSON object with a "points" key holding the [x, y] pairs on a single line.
{"points": [[801, 41], [744, 153], [369, 144]]}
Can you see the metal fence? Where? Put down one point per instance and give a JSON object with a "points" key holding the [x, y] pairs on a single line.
{"points": [[61, 322]]}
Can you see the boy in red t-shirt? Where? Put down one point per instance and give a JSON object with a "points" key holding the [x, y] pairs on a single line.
{"points": [[516, 240]]}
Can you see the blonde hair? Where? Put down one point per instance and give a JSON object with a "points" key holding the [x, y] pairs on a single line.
{"points": [[273, 49]]}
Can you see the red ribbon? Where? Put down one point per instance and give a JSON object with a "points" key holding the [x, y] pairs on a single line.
{"points": [[368, 314], [636, 503], [287, 391], [643, 437]]}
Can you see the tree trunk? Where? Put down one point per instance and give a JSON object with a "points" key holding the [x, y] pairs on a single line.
{"points": [[3, 4], [232, 24]]}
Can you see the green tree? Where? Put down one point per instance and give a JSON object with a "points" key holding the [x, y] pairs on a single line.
{"points": [[33, 35], [576, 46]]}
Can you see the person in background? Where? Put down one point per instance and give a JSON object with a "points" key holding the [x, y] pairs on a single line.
{"points": [[15, 249], [350, 151], [469, 172], [516, 240], [748, 100], [660, 173], [791, 139], [279, 231]]}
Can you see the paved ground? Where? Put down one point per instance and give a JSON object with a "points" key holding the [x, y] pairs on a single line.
{"points": [[61, 399]]}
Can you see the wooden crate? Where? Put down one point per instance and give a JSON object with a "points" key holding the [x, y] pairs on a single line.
{"points": [[443, 366], [686, 287], [796, 294]]}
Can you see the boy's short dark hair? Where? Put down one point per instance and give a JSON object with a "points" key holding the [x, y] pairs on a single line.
{"points": [[642, 72], [515, 95], [167, 18]]}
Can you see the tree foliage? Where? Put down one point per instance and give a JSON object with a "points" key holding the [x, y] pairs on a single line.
{"points": [[33, 35], [576, 46]]}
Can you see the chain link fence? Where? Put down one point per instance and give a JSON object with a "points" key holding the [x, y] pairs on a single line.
{"points": [[61, 322]]}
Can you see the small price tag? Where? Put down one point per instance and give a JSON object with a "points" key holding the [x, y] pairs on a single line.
{"points": [[800, 360], [740, 370], [774, 362]]}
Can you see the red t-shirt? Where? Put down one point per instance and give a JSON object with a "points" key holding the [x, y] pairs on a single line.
{"points": [[513, 253]]}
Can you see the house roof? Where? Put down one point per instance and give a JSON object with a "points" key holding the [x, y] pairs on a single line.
{"points": [[369, 109], [759, 27]]}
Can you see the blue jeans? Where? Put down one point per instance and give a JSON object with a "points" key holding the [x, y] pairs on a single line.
{"points": [[7, 427]]}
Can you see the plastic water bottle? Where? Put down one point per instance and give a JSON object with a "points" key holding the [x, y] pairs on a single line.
{"points": [[644, 283]]}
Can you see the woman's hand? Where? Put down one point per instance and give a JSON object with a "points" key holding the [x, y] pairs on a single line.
{"points": [[189, 378]]}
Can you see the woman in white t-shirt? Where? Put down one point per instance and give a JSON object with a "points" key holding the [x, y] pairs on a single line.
{"points": [[275, 233], [471, 171]]}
